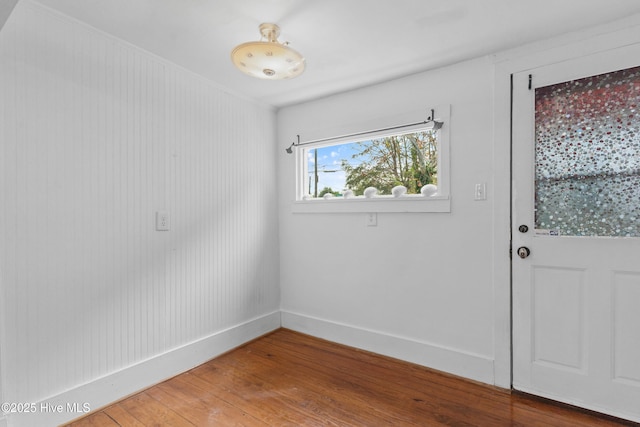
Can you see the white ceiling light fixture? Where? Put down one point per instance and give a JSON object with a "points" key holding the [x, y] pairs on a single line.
{"points": [[268, 59]]}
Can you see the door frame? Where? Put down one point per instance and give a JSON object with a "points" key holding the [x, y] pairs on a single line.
{"points": [[595, 40]]}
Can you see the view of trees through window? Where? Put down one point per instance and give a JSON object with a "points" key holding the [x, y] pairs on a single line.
{"points": [[408, 159]]}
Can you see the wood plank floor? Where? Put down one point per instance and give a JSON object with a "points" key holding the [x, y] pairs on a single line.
{"points": [[290, 379]]}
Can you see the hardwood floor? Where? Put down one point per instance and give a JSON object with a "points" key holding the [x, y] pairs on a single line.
{"points": [[290, 379]]}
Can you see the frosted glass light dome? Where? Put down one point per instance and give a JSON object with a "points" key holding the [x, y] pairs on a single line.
{"points": [[268, 59]]}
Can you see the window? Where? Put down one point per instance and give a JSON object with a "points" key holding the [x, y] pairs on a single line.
{"points": [[588, 156], [403, 170]]}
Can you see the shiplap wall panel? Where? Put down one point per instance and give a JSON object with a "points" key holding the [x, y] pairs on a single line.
{"points": [[97, 136]]}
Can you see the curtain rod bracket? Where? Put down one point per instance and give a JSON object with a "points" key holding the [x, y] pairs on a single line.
{"points": [[289, 149], [437, 124]]}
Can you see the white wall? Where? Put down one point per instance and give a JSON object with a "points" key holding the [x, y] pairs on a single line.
{"points": [[429, 288], [417, 286], [95, 137]]}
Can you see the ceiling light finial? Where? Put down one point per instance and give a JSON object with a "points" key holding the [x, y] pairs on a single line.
{"points": [[268, 59]]}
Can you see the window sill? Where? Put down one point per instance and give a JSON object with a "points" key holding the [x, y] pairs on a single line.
{"points": [[376, 204]]}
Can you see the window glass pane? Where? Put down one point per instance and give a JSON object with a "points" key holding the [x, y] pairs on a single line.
{"points": [[408, 159], [588, 156]]}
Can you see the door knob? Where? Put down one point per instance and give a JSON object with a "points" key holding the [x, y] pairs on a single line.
{"points": [[523, 252]]}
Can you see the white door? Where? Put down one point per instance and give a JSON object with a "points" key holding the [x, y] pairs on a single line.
{"points": [[576, 189]]}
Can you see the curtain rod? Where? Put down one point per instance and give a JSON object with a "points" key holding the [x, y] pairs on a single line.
{"points": [[437, 124]]}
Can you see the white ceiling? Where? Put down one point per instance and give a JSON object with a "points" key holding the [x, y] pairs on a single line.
{"points": [[346, 43]]}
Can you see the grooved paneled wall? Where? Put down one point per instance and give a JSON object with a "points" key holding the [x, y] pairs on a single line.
{"points": [[95, 137]]}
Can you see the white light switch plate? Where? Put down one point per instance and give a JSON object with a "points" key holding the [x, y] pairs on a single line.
{"points": [[481, 192], [163, 222]]}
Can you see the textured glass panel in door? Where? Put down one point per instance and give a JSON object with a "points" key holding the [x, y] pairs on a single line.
{"points": [[587, 152]]}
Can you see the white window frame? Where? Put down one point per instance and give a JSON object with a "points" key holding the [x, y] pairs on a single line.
{"points": [[439, 202]]}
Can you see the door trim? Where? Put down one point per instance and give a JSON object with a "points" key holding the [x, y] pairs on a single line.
{"points": [[601, 38]]}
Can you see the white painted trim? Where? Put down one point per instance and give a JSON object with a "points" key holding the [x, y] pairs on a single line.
{"points": [[457, 362], [115, 386], [572, 45], [580, 44], [501, 269], [440, 202], [379, 204]]}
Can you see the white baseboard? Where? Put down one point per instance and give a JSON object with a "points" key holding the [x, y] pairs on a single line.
{"points": [[130, 380], [472, 366], [115, 386]]}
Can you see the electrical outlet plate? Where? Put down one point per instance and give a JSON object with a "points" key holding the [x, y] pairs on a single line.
{"points": [[372, 219]]}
